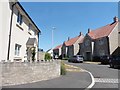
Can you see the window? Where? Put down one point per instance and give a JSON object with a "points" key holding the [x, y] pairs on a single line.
{"points": [[19, 18], [87, 42], [102, 52], [35, 33], [17, 49], [101, 42], [29, 26]]}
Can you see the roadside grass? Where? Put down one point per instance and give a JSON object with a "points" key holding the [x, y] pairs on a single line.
{"points": [[92, 62], [63, 68]]}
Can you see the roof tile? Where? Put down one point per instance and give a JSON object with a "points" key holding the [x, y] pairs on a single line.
{"points": [[103, 31], [73, 40], [57, 47]]}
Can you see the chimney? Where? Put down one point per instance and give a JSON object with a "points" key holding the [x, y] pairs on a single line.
{"points": [[89, 30], [80, 34], [115, 19], [68, 38]]}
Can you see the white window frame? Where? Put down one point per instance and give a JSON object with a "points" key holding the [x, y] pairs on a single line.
{"points": [[17, 49], [29, 27], [19, 18]]}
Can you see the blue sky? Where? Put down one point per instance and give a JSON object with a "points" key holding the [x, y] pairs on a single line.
{"points": [[69, 18]]}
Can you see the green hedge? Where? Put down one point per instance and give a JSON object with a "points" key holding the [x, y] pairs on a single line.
{"points": [[47, 56]]}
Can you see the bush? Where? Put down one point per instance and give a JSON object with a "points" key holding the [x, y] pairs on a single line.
{"points": [[63, 69], [33, 55], [47, 56]]}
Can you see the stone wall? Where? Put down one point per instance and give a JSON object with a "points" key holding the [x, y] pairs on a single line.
{"points": [[41, 55], [21, 73]]}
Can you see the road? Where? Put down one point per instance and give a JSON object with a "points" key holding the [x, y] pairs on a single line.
{"points": [[104, 76]]}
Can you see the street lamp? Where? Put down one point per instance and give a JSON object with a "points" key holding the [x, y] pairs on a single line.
{"points": [[53, 28]]}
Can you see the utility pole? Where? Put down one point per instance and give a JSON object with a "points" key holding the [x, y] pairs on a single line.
{"points": [[53, 28]]}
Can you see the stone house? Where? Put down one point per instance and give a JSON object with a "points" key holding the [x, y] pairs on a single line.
{"points": [[57, 51], [19, 34], [102, 41], [71, 47]]}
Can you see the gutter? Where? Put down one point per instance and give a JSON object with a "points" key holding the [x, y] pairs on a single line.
{"points": [[9, 42]]}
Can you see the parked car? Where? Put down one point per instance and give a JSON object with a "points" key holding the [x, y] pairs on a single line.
{"points": [[76, 58], [114, 61], [104, 59]]}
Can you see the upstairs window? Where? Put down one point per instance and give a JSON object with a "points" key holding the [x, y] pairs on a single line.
{"points": [[101, 42], [35, 33], [87, 43], [19, 18], [17, 49], [29, 26]]}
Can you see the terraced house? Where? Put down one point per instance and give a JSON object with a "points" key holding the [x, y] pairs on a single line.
{"points": [[71, 47], [19, 35], [102, 41]]}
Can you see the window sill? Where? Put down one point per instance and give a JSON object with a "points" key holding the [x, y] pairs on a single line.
{"points": [[29, 33], [19, 27]]}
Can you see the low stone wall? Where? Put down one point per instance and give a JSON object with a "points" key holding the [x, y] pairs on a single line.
{"points": [[21, 73]]}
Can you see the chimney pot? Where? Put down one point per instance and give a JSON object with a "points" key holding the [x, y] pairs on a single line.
{"points": [[115, 19], [80, 33], [89, 30], [68, 38]]}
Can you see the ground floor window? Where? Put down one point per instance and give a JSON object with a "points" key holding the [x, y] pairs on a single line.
{"points": [[101, 52], [17, 49]]}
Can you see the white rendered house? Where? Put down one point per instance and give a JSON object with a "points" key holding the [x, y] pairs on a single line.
{"points": [[19, 35]]}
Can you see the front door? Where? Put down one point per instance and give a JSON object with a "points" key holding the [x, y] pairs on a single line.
{"points": [[88, 56]]}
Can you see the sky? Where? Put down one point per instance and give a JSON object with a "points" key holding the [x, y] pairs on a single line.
{"points": [[68, 18]]}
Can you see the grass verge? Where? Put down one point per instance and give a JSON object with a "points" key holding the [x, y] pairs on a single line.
{"points": [[63, 69]]}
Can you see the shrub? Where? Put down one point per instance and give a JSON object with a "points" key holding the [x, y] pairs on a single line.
{"points": [[33, 55], [47, 56], [63, 69]]}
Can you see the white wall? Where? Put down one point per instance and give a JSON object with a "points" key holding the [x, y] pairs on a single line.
{"points": [[5, 12], [113, 39], [76, 45], [18, 36]]}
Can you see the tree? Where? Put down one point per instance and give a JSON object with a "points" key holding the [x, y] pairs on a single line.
{"points": [[47, 56]]}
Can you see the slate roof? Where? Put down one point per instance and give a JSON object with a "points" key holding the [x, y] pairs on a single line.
{"points": [[102, 31]]}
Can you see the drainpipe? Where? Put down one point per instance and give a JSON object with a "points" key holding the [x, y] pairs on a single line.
{"points": [[9, 42], [38, 45]]}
